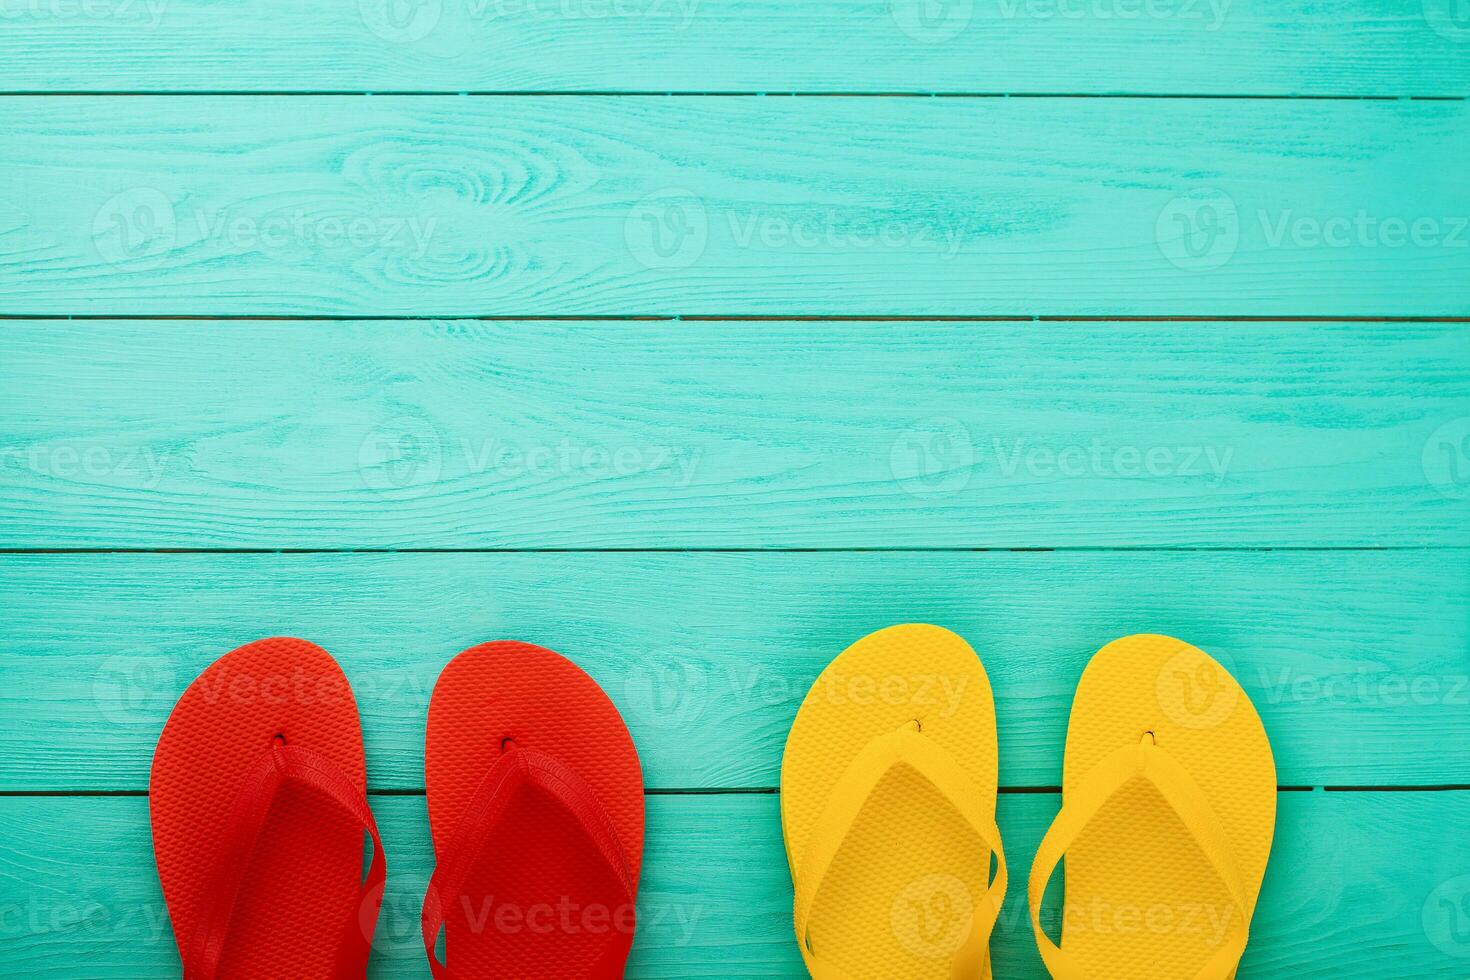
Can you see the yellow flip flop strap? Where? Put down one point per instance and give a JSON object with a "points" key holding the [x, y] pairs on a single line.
{"points": [[904, 747], [1082, 803]]}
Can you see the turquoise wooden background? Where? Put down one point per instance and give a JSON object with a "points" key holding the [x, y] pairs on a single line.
{"points": [[697, 338]]}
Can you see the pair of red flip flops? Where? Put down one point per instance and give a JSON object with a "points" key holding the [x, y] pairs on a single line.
{"points": [[259, 810]]}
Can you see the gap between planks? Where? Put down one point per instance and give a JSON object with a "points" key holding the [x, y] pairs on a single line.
{"points": [[898, 550], [731, 318], [750, 94]]}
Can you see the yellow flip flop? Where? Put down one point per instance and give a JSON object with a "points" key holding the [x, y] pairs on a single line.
{"points": [[1168, 810], [888, 788]]}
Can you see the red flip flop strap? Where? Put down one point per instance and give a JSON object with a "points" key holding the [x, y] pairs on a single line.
{"points": [[516, 769], [582, 803], [258, 790]]}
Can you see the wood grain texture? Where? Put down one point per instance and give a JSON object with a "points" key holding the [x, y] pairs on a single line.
{"points": [[752, 435], [1359, 663], [731, 206], [1353, 889], [1286, 47]]}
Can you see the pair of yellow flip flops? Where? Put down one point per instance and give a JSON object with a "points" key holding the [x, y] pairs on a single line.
{"points": [[888, 789]]}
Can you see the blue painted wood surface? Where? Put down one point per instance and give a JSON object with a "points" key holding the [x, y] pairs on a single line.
{"points": [[1223, 47], [564, 205], [748, 435], [705, 506]]}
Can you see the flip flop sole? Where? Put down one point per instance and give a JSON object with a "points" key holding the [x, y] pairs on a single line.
{"points": [[897, 900], [304, 875], [1141, 899], [536, 904]]}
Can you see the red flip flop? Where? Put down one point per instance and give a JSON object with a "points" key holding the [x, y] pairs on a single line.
{"points": [[258, 811], [536, 808]]}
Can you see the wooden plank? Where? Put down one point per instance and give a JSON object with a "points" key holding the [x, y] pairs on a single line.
{"points": [[732, 206], [753, 435], [1358, 662], [1286, 47], [1352, 890]]}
